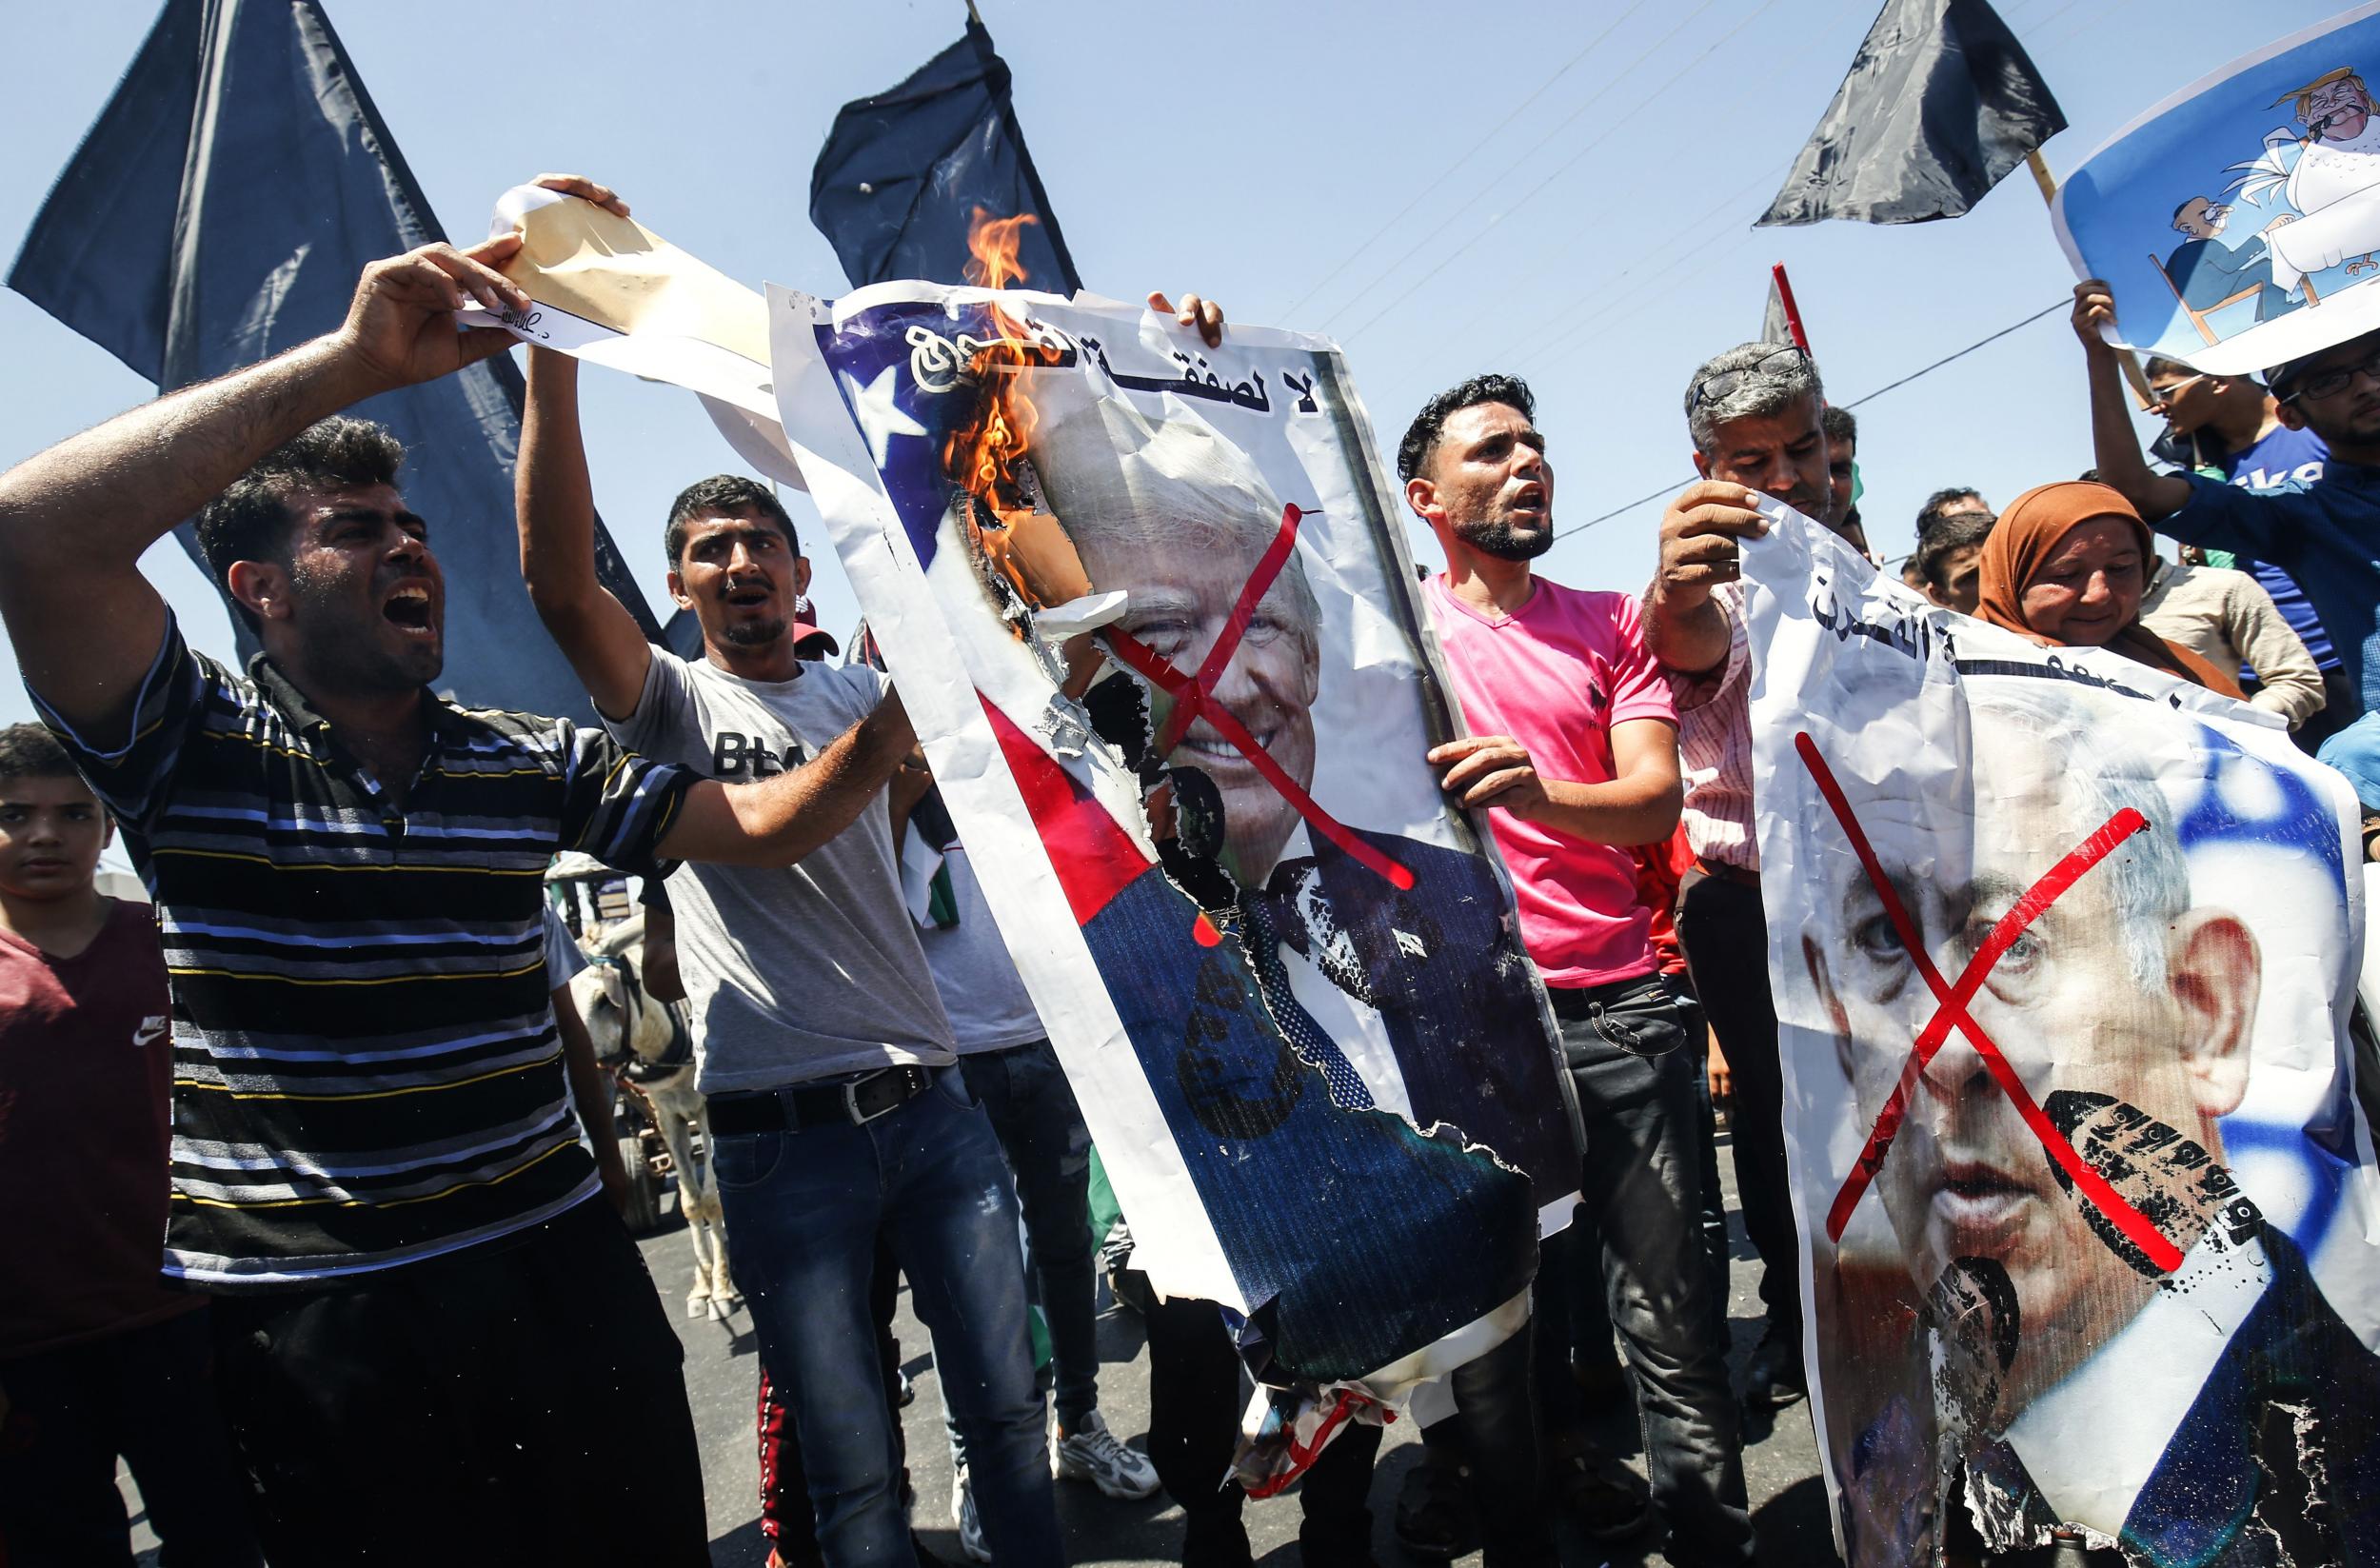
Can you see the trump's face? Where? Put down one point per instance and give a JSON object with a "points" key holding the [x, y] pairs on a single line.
{"points": [[1182, 595], [2339, 111], [1966, 1177]]}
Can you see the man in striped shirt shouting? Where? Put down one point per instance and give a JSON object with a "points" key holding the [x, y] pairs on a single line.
{"points": [[433, 1346]]}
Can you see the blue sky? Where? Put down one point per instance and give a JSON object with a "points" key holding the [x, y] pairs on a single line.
{"points": [[1382, 173]]}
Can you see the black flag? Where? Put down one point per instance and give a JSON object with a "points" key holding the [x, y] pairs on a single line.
{"points": [[903, 173], [1941, 102], [1773, 326], [219, 211]]}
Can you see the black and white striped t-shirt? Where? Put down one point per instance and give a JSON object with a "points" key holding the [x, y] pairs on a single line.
{"points": [[366, 1066]]}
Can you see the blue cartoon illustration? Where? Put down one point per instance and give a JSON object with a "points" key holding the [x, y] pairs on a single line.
{"points": [[2269, 172], [2327, 172]]}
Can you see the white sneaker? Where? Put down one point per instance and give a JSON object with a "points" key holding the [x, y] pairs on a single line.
{"points": [[964, 1517], [1093, 1454]]}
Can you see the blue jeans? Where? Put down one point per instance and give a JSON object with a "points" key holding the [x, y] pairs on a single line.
{"points": [[1040, 1129], [803, 1211]]}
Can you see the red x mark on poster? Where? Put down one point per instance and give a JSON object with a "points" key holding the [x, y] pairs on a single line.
{"points": [[1950, 1013], [1193, 698]]}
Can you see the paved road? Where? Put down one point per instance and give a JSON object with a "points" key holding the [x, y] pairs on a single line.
{"points": [[723, 1369], [1788, 1504]]}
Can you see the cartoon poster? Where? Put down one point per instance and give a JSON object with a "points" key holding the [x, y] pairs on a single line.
{"points": [[2062, 953], [2238, 222], [1151, 612]]}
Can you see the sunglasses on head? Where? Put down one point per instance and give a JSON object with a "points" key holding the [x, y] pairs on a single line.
{"points": [[1719, 386]]}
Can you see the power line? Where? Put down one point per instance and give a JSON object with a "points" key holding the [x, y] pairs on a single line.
{"points": [[1686, 238], [1713, 255], [2038, 23], [1464, 157], [2056, 304], [1671, 489], [1466, 247], [1671, 238], [1490, 184], [2090, 21]]}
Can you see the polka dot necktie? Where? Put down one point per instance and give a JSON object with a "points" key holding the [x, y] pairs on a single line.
{"points": [[1305, 1037]]}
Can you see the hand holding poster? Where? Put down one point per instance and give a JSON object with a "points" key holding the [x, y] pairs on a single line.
{"points": [[1148, 610], [2238, 222], [2059, 947]]}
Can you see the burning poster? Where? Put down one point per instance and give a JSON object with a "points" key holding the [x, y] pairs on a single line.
{"points": [[2238, 222], [1149, 608], [2062, 953]]}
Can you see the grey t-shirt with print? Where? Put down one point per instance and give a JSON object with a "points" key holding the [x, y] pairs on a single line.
{"points": [[802, 973]]}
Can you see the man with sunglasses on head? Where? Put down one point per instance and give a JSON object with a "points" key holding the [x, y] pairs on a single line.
{"points": [[2231, 426], [1756, 415], [2325, 537]]}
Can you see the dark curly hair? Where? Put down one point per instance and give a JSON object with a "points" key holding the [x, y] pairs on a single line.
{"points": [[29, 751], [1422, 436], [722, 495], [250, 519]]}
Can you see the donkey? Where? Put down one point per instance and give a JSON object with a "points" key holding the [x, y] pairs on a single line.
{"points": [[626, 1024]]}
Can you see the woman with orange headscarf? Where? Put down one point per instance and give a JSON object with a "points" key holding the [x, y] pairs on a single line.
{"points": [[2067, 564]]}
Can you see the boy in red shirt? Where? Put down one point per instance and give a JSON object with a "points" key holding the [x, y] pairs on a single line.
{"points": [[97, 1357]]}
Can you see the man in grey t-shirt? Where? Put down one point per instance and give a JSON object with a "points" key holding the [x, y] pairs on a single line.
{"points": [[838, 1111]]}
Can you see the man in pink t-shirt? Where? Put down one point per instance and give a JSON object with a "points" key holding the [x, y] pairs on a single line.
{"points": [[1573, 756]]}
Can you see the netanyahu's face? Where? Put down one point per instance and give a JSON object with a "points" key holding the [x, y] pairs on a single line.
{"points": [[1182, 595], [1966, 1177]]}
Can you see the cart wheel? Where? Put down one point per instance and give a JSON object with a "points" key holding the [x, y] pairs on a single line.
{"points": [[644, 1216]]}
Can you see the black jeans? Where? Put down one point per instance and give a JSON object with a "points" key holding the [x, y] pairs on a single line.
{"points": [[1726, 936], [1571, 1316], [1194, 1423], [520, 1402], [148, 1394], [1495, 1431], [1642, 1189]]}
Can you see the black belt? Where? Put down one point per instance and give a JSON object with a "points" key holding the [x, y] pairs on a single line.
{"points": [[861, 1099], [1725, 872]]}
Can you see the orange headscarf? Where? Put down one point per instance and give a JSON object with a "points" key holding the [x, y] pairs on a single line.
{"points": [[2023, 538]]}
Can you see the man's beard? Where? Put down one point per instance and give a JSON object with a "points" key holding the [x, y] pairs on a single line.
{"points": [[337, 660], [755, 634], [1499, 538]]}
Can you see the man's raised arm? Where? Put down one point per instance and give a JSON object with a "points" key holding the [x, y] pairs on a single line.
{"points": [[778, 821], [554, 502], [1684, 629], [74, 519], [2115, 446]]}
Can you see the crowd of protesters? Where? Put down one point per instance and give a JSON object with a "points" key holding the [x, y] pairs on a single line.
{"points": [[394, 1319]]}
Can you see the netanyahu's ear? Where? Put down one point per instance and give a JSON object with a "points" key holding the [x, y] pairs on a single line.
{"points": [[1702, 464], [2216, 974], [262, 587]]}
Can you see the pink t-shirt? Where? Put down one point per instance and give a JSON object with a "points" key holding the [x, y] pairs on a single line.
{"points": [[1556, 677]]}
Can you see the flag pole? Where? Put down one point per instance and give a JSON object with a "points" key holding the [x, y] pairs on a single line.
{"points": [[2125, 359], [1792, 312]]}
